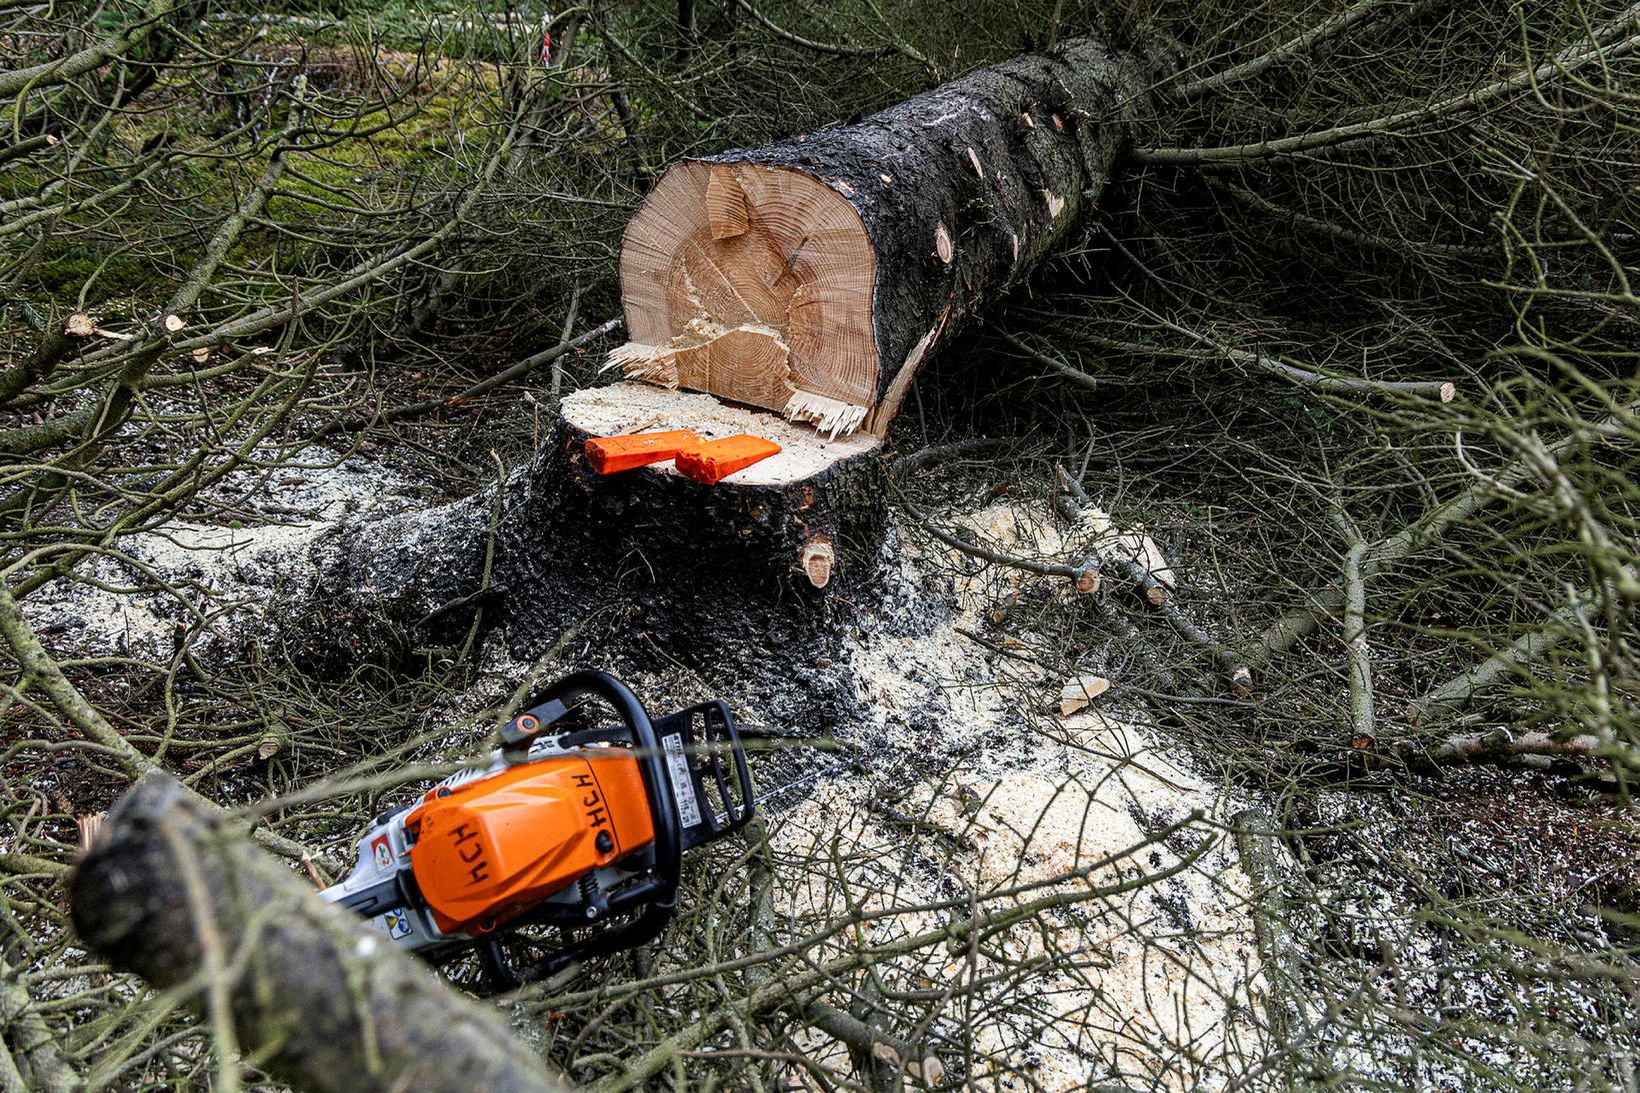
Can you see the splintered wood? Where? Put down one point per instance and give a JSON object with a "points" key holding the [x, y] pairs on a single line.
{"points": [[755, 284]]}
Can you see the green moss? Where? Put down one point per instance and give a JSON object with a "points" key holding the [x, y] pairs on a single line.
{"points": [[65, 274]]}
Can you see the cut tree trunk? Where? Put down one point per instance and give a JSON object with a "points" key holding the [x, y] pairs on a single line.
{"points": [[170, 892], [815, 275], [808, 278], [745, 582]]}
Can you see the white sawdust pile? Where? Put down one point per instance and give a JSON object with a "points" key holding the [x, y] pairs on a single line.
{"points": [[1153, 986], [208, 579]]}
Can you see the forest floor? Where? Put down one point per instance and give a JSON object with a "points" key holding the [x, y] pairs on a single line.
{"points": [[962, 778]]}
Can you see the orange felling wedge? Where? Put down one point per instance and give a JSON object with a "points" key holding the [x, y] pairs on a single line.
{"points": [[715, 460], [612, 454]]}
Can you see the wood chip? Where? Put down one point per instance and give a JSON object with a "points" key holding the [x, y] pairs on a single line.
{"points": [[885, 1053], [80, 324], [1055, 202], [973, 157], [928, 1070], [89, 826], [1079, 692]]}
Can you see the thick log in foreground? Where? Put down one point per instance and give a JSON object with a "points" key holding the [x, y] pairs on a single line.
{"points": [[815, 275], [170, 893]]}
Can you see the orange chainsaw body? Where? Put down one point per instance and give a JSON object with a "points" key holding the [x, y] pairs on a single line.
{"points": [[491, 848]]}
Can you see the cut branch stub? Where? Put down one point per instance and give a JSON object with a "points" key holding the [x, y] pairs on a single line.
{"points": [[800, 276]]}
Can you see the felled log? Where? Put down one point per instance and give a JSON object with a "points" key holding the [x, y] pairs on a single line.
{"points": [[170, 892], [810, 278], [815, 275]]}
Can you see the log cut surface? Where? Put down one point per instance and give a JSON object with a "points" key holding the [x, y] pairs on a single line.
{"points": [[815, 275]]}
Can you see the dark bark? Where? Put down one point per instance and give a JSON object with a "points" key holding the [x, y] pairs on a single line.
{"points": [[379, 589], [1045, 130], [652, 569], [666, 570], [317, 998]]}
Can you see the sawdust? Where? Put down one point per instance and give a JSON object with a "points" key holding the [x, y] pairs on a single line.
{"points": [[959, 795], [929, 683], [209, 584], [1134, 988]]}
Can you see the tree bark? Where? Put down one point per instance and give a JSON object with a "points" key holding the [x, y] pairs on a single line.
{"points": [[169, 893], [745, 582], [815, 275]]}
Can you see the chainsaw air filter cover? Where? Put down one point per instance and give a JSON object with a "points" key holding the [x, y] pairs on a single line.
{"points": [[492, 848]]}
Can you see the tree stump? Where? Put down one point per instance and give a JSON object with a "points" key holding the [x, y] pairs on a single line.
{"points": [[744, 579]]}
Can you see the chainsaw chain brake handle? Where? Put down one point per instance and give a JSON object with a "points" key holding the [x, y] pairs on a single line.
{"points": [[681, 767]]}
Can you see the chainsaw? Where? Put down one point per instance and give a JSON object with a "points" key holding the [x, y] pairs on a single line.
{"points": [[577, 834]]}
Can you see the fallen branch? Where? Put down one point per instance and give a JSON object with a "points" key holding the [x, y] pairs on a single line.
{"points": [[1149, 581], [37, 1063], [1356, 649], [922, 457], [1232, 663], [48, 74], [1300, 44], [1441, 390], [1281, 635], [313, 994], [1267, 868], [1464, 686], [484, 386], [1075, 375], [1495, 745], [1561, 65], [1080, 576]]}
